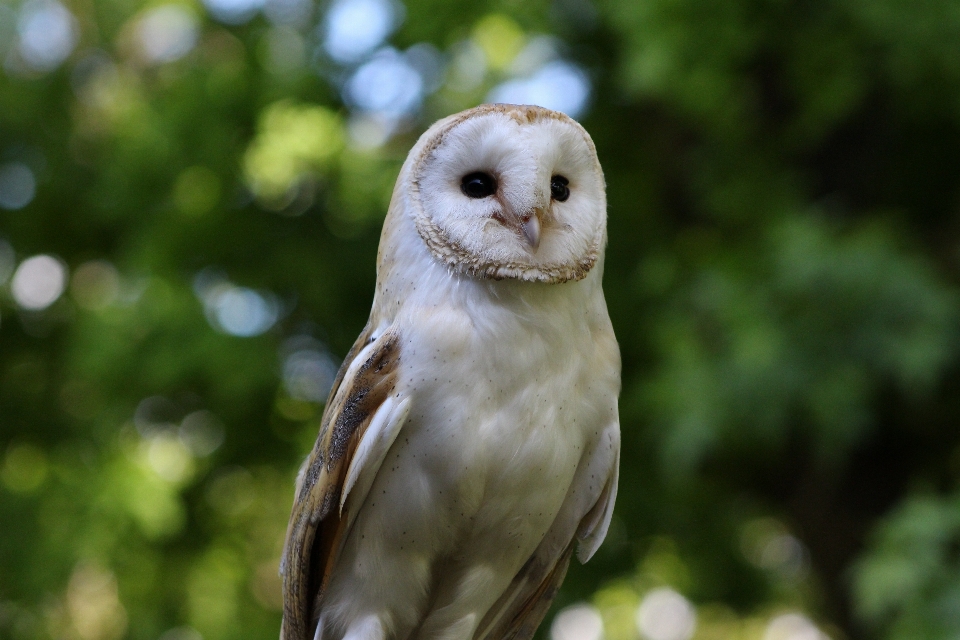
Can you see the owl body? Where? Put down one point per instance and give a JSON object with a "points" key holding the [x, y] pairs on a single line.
{"points": [[472, 437]]}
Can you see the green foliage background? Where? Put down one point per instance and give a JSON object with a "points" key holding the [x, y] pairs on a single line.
{"points": [[783, 274]]}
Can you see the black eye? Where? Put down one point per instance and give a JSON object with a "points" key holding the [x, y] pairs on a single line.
{"points": [[478, 185], [559, 189]]}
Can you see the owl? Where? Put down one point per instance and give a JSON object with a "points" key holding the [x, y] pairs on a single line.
{"points": [[471, 439]]}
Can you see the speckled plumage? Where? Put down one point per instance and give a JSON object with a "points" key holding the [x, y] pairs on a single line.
{"points": [[471, 437]]}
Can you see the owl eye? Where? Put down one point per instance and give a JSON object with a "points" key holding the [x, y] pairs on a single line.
{"points": [[478, 185], [559, 189]]}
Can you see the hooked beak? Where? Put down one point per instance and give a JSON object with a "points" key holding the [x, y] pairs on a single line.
{"points": [[527, 223], [530, 227]]}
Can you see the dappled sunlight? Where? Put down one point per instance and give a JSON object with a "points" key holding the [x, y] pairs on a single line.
{"points": [[388, 84], [233, 11], [292, 13], [107, 92], [24, 467], [168, 457], [664, 614], [793, 626], [468, 67], [95, 284], [201, 432], [308, 369], [283, 50], [166, 33], [557, 85], [499, 38], [655, 602], [18, 186], [93, 604], [38, 282], [293, 142], [47, 34], [577, 622], [766, 543], [237, 311], [353, 28], [191, 196], [181, 633], [152, 501], [240, 311]]}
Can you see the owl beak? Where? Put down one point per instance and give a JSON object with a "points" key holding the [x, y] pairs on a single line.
{"points": [[530, 226]]}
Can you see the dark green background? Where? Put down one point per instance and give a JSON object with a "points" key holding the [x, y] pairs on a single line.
{"points": [[783, 275]]}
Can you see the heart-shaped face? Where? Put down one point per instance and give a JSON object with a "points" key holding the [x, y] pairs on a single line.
{"points": [[506, 191]]}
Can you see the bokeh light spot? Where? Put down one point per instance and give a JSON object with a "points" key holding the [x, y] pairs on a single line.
{"points": [[167, 33], [95, 284], [664, 614], [18, 185], [428, 62], [388, 85], [784, 552], [38, 282], [618, 603], [538, 52], [8, 27], [353, 28], [237, 311], [48, 33], [766, 543], [468, 68], [559, 85], [793, 626], [24, 468], [577, 622], [181, 633], [288, 12], [202, 432], [500, 38], [154, 414], [169, 457], [283, 50], [233, 11], [243, 312], [369, 131], [308, 370], [94, 604], [293, 141]]}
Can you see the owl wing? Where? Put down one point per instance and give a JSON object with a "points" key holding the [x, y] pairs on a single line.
{"points": [[584, 517], [363, 416]]}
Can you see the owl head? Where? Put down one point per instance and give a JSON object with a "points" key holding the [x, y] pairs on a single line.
{"points": [[509, 192]]}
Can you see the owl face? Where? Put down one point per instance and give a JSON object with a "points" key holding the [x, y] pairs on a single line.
{"points": [[505, 191]]}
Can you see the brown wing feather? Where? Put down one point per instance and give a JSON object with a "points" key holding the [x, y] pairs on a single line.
{"points": [[541, 582], [316, 531], [520, 610]]}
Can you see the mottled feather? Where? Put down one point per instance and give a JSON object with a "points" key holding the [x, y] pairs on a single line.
{"points": [[316, 528]]}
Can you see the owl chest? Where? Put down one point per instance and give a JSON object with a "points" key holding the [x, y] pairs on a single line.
{"points": [[497, 414]]}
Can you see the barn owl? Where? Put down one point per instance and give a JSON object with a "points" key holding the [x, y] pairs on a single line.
{"points": [[471, 438]]}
